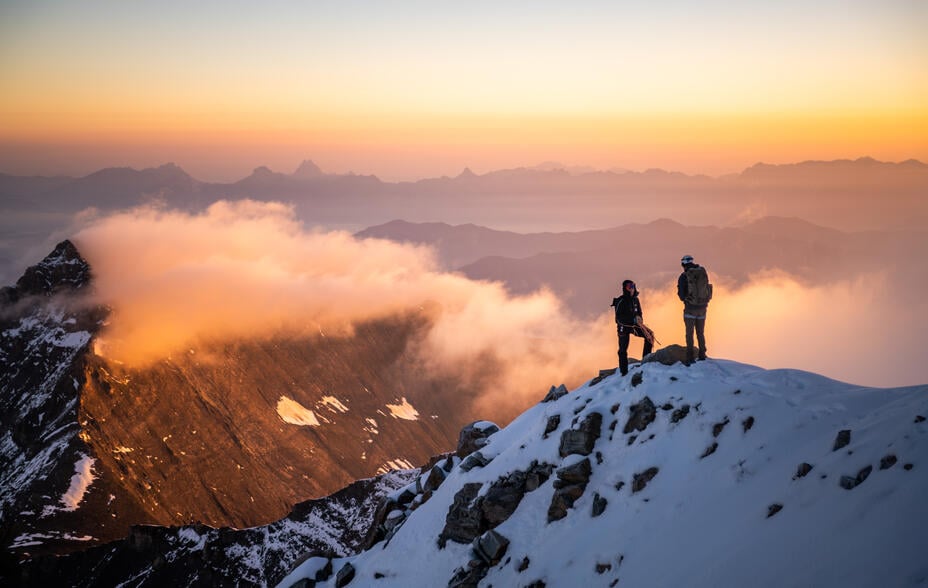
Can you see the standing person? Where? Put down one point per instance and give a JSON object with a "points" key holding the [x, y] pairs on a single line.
{"points": [[628, 317], [695, 291]]}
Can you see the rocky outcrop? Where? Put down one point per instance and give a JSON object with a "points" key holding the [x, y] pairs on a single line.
{"points": [[201, 555]]}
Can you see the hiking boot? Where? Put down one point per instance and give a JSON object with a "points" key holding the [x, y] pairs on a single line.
{"points": [[702, 357]]}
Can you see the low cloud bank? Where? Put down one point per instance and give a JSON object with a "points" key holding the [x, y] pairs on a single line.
{"points": [[249, 269]]}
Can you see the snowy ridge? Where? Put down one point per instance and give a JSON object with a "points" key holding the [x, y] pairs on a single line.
{"points": [[201, 555], [721, 474]]}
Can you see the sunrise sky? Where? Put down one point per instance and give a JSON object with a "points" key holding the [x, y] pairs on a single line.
{"points": [[412, 89]]}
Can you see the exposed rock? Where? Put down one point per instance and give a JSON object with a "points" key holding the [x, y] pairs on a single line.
{"points": [[667, 406], [709, 450], [667, 355], [325, 572], [641, 415], [718, 427], [774, 509], [491, 547], [344, 575], [599, 504], [641, 480], [474, 460], [523, 565], [747, 424], [436, 476], [555, 393], [849, 483], [680, 414], [614, 408], [578, 473], [502, 498], [907, 467], [888, 462], [637, 378], [564, 498], [474, 436], [632, 439], [843, 439], [602, 568], [553, 423], [462, 523], [603, 374], [919, 418], [581, 441], [803, 469]]}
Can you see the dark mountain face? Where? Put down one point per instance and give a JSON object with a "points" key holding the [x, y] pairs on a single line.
{"points": [[231, 433]]}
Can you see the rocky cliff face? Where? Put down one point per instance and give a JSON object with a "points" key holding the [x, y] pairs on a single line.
{"points": [[232, 434], [201, 555]]}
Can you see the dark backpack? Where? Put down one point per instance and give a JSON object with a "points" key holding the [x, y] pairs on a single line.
{"points": [[698, 288]]}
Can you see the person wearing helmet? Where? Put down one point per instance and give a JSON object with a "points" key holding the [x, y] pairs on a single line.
{"points": [[695, 291], [628, 316]]}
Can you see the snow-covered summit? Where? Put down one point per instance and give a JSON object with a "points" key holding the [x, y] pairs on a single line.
{"points": [[721, 474]]}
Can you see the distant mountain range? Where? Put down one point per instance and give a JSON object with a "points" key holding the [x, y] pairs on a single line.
{"points": [[845, 194], [584, 267]]}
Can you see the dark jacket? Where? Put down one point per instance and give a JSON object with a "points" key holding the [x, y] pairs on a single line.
{"points": [[693, 310], [627, 309]]}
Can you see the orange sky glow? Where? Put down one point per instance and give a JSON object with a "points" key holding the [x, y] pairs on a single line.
{"points": [[423, 90]]}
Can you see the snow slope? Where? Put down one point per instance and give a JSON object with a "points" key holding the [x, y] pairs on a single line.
{"points": [[715, 494]]}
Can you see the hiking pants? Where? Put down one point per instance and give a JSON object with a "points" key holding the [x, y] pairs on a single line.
{"points": [[699, 324], [624, 335]]}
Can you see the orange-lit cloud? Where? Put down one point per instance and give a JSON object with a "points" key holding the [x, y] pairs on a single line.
{"points": [[250, 270], [247, 269]]}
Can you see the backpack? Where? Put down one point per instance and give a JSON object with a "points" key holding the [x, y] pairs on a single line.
{"points": [[698, 288]]}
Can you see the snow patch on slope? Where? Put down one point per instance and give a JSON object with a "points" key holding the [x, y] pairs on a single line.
{"points": [[291, 411], [403, 410], [81, 480]]}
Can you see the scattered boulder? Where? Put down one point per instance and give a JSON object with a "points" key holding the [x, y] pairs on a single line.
{"points": [[578, 473], [718, 427], [919, 418], [908, 467], [637, 378], [709, 450], [842, 440], [462, 523], [667, 406], [490, 547], [581, 441], [803, 469], [888, 462], [436, 476], [747, 424], [603, 374], [599, 504], [641, 415], [641, 480], [555, 393], [849, 483], [474, 436], [680, 414], [523, 565], [774, 509], [667, 355], [563, 499], [474, 460], [602, 568], [553, 423], [344, 575], [569, 486]]}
